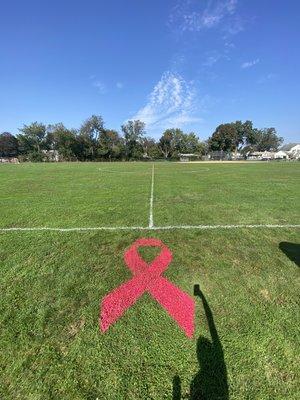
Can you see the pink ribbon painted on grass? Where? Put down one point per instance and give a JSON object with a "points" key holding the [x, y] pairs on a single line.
{"points": [[147, 278]]}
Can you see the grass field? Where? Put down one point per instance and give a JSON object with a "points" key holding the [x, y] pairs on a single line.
{"points": [[246, 343]]}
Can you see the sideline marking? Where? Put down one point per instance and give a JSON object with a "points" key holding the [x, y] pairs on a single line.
{"points": [[147, 228], [151, 200], [122, 172], [147, 277]]}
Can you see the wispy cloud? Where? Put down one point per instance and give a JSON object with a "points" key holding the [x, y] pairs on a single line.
{"points": [[212, 57], [100, 86], [170, 104], [205, 15], [249, 64], [211, 60]]}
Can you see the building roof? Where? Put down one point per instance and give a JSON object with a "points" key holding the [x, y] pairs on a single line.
{"points": [[288, 146], [281, 152]]}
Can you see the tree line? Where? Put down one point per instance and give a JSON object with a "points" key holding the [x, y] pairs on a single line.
{"points": [[93, 142]]}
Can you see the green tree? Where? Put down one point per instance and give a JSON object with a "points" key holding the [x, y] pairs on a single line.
{"points": [[133, 133], [243, 136], [245, 132], [174, 141], [9, 145], [165, 143], [32, 140], [111, 146], [150, 148], [62, 140], [89, 134], [225, 138], [267, 139], [232, 136], [177, 143], [191, 144]]}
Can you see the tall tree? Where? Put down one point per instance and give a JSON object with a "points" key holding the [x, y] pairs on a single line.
{"points": [[150, 148], [110, 145], [243, 136], [62, 140], [267, 139], [166, 143], [177, 143], [245, 132], [225, 138], [89, 133], [9, 145], [92, 127], [191, 144], [133, 133], [32, 140], [174, 141]]}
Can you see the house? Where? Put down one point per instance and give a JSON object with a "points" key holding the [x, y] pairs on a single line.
{"points": [[292, 150], [295, 152], [281, 155], [261, 156], [268, 155], [254, 156]]}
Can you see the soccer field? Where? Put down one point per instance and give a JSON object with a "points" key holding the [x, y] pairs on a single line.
{"points": [[233, 229]]}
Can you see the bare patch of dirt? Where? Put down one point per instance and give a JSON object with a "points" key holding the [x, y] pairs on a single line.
{"points": [[265, 294], [76, 327]]}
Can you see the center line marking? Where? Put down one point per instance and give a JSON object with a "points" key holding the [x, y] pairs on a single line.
{"points": [[151, 200]]}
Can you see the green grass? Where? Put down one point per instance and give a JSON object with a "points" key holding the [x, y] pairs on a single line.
{"points": [[246, 344]]}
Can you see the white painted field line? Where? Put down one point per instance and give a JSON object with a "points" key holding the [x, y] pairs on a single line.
{"points": [[151, 200], [75, 229], [207, 227], [153, 228]]}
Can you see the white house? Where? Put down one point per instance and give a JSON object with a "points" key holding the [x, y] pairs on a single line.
{"points": [[254, 155], [268, 155], [295, 152], [292, 149], [281, 155], [261, 155]]}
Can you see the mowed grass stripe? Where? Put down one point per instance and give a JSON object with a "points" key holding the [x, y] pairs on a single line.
{"points": [[117, 194], [74, 194], [227, 194]]}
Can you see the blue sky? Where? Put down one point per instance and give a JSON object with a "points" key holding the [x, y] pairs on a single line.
{"points": [[191, 64]]}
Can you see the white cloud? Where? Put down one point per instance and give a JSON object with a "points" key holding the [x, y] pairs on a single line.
{"points": [[191, 19], [228, 45], [249, 64], [233, 26], [171, 104]]}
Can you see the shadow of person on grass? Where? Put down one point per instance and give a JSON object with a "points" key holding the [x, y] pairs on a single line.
{"points": [[292, 251], [176, 388], [210, 383]]}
